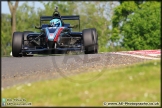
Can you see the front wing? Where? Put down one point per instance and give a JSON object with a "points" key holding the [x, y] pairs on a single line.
{"points": [[51, 50]]}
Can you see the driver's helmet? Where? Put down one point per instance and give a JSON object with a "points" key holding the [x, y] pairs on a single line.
{"points": [[55, 23]]}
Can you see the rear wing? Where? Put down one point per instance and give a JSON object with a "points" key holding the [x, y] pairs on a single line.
{"points": [[48, 18], [72, 17]]}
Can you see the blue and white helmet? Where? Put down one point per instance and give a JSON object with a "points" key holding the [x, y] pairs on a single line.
{"points": [[55, 23]]}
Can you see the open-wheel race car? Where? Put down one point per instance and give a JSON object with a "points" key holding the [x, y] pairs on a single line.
{"points": [[55, 38]]}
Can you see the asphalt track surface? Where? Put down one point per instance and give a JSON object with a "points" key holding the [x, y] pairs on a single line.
{"points": [[30, 69]]}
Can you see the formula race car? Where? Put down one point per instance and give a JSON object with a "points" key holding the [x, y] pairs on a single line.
{"points": [[55, 38]]}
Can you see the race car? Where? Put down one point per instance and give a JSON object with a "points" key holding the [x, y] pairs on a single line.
{"points": [[55, 38]]}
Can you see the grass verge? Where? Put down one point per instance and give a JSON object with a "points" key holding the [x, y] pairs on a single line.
{"points": [[136, 83]]}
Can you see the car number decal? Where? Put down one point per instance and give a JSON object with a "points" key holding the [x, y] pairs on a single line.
{"points": [[51, 34]]}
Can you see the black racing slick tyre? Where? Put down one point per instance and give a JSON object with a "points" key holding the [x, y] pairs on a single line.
{"points": [[89, 41], [17, 41], [25, 33], [25, 42], [95, 38]]}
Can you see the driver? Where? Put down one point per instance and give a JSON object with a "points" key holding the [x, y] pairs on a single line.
{"points": [[55, 23]]}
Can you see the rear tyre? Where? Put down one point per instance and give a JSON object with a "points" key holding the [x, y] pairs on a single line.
{"points": [[25, 42], [17, 41], [25, 33], [90, 41]]}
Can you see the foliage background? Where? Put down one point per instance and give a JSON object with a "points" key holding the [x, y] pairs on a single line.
{"points": [[132, 25]]}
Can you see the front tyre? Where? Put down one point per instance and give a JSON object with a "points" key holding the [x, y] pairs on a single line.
{"points": [[95, 38], [90, 41], [17, 41]]}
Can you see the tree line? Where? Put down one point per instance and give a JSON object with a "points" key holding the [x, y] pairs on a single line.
{"points": [[132, 25]]}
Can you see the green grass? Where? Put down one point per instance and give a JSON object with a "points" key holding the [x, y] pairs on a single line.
{"points": [[136, 83]]}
